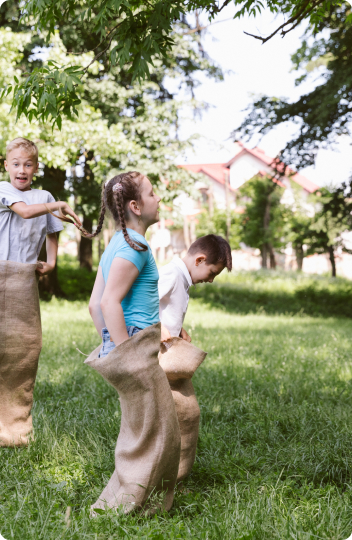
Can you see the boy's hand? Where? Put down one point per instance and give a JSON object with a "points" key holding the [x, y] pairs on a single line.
{"points": [[185, 336], [67, 211], [44, 268], [165, 334]]}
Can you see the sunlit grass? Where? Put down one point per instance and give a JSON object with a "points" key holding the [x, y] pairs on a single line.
{"points": [[275, 450]]}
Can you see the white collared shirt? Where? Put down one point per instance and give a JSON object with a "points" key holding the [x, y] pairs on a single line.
{"points": [[174, 284]]}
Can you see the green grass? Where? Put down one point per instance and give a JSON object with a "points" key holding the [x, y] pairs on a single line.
{"points": [[275, 449], [278, 292]]}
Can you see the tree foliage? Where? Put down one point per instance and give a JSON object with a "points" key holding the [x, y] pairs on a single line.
{"points": [[216, 223], [120, 124], [129, 34], [332, 219], [322, 114], [264, 222]]}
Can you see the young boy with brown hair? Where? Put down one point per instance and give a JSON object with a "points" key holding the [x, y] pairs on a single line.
{"points": [[26, 219], [205, 259]]}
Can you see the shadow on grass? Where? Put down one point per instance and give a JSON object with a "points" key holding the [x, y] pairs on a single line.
{"points": [[315, 298]]}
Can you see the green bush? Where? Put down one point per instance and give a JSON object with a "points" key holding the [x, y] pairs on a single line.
{"points": [[77, 283]]}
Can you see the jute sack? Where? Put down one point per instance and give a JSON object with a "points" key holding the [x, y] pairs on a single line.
{"points": [[179, 362], [20, 345], [148, 446]]}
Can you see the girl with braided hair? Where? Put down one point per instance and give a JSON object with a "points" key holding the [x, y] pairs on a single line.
{"points": [[125, 294], [125, 309]]}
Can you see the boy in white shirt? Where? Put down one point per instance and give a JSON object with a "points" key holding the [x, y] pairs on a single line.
{"points": [[205, 259], [26, 219], [25, 213]]}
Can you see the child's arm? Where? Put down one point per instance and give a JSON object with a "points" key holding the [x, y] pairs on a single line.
{"points": [[29, 211], [185, 336], [51, 254], [122, 275], [165, 334], [94, 302]]}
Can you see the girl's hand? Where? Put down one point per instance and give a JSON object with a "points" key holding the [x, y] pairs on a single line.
{"points": [[67, 211], [185, 336], [44, 268], [165, 334]]}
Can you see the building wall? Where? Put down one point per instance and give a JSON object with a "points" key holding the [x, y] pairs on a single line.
{"points": [[245, 168]]}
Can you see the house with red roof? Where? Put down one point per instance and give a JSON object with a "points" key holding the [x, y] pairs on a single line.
{"points": [[218, 184], [245, 164]]}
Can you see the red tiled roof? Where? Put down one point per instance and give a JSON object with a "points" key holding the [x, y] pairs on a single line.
{"points": [[261, 155], [217, 170], [214, 170]]}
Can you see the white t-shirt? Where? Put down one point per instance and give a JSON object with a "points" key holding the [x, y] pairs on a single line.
{"points": [[174, 284], [21, 239]]}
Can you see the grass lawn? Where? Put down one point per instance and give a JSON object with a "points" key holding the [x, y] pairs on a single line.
{"points": [[274, 457]]}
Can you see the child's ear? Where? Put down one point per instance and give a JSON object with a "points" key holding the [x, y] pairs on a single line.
{"points": [[200, 259], [134, 207]]}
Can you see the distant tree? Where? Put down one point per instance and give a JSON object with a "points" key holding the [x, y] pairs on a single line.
{"points": [[299, 231], [264, 222], [216, 223], [333, 218], [324, 113]]}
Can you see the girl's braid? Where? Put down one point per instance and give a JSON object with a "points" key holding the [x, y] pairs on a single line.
{"points": [[80, 228], [100, 220], [116, 193], [118, 196]]}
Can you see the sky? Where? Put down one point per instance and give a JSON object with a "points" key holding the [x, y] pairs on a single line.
{"points": [[252, 68]]}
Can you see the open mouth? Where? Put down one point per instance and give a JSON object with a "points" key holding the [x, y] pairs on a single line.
{"points": [[21, 178]]}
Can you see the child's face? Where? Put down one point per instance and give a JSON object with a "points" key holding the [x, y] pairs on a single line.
{"points": [[21, 167], [150, 203], [201, 272]]}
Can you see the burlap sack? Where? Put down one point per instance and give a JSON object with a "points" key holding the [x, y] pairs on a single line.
{"points": [[20, 345], [180, 362], [148, 446]]}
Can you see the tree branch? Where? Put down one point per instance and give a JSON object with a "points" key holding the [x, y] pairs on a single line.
{"points": [[296, 19], [200, 28], [106, 48], [218, 10]]}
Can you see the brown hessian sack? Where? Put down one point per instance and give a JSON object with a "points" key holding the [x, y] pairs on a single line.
{"points": [[148, 446], [20, 345], [180, 359]]}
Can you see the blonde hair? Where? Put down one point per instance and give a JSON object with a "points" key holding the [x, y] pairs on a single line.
{"points": [[25, 144]]}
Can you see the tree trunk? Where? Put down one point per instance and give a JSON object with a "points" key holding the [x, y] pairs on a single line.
{"points": [[186, 232], [227, 199], [332, 260], [266, 245], [49, 285], [86, 246], [272, 257], [299, 257], [264, 252]]}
